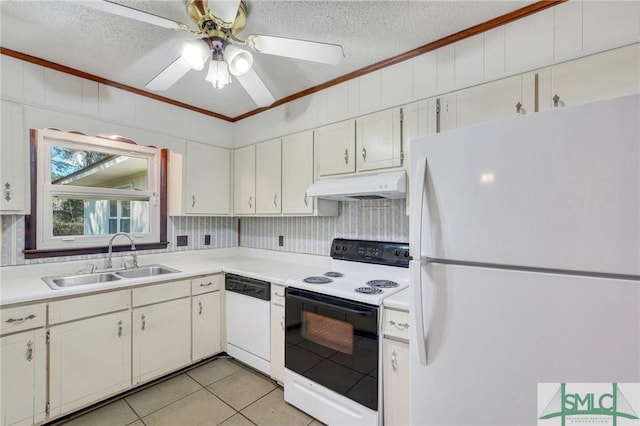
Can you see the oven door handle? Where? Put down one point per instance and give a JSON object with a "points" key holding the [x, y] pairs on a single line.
{"points": [[364, 313]]}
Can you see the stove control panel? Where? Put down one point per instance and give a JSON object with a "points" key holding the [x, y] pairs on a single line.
{"points": [[378, 252]]}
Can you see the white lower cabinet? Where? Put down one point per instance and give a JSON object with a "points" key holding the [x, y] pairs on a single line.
{"points": [[206, 317], [89, 359], [23, 361], [161, 337], [277, 333], [395, 369]]}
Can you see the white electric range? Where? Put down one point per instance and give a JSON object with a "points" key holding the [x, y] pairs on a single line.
{"points": [[332, 318]]}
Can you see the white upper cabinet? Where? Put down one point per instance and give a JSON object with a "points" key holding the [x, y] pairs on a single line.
{"points": [[603, 76], [269, 177], [14, 160], [609, 24], [335, 148], [529, 42], [378, 137], [244, 180], [200, 184], [297, 173]]}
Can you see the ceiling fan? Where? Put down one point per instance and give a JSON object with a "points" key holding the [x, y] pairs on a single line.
{"points": [[219, 23]]}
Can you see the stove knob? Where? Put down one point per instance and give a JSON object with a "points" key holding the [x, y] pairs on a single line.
{"points": [[406, 253], [337, 248], [344, 248], [397, 253]]}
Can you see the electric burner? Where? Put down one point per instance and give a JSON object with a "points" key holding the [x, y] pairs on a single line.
{"points": [[333, 274], [368, 290], [382, 283], [317, 280]]}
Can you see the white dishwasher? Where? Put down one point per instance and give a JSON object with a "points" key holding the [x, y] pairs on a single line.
{"points": [[248, 319]]}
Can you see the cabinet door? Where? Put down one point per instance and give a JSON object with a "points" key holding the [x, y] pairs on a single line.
{"points": [[593, 78], [208, 179], [14, 160], [269, 177], [89, 360], [396, 382], [23, 361], [277, 333], [379, 143], [206, 324], [297, 173], [335, 148], [244, 180], [161, 338], [491, 101]]}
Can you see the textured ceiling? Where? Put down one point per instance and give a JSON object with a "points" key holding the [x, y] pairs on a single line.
{"points": [[132, 53]]}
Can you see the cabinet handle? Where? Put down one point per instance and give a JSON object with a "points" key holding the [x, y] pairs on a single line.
{"points": [[401, 325], [199, 308], [346, 156], [29, 350], [250, 200], [282, 324], [144, 322], [394, 361], [18, 321], [556, 100], [193, 201], [305, 199], [364, 153], [119, 328], [7, 191], [207, 284], [519, 109], [275, 200]]}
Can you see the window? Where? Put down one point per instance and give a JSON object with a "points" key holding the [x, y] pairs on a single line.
{"points": [[89, 188]]}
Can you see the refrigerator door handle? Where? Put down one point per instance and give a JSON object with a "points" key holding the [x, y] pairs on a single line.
{"points": [[418, 310], [419, 232]]}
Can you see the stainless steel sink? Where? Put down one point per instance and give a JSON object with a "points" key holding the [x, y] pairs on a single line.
{"points": [[58, 282], [146, 271]]}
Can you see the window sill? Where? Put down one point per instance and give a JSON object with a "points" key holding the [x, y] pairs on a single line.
{"points": [[41, 254]]}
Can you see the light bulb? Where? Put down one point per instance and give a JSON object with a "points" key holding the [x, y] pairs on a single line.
{"points": [[240, 61], [195, 53], [218, 74]]}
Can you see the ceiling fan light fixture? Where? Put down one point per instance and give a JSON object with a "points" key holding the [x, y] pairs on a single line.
{"points": [[240, 61], [195, 53], [218, 74]]}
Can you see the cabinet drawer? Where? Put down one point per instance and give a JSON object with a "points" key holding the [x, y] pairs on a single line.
{"points": [[206, 284], [22, 318], [161, 292], [395, 323], [88, 306], [277, 294]]}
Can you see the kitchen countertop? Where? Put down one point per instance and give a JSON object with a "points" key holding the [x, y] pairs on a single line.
{"points": [[24, 284], [399, 300]]}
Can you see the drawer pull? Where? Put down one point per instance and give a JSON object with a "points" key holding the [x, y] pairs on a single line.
{"points": [[199, 308], [144, 322], [278, 295], [18, 321], [394, 361], [207, 284], [401, 325], [119, 328]]}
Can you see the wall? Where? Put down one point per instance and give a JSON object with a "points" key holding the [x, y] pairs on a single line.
{"points": [[383, 220]]}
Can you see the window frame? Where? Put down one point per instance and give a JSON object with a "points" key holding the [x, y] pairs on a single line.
{"points": [[39, 239]]}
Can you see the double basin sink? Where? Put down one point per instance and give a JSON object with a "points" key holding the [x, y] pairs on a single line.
{"points": [[59, 282]]}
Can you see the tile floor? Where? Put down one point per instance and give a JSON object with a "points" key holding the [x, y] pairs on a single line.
{"points": [[220, 392]]}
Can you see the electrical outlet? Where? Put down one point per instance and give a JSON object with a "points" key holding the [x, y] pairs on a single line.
{"points": [[207, 240], [280, 240], [183, 240]]}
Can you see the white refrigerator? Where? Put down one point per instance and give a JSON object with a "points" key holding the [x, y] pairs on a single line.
{"points": [[525, 238]]}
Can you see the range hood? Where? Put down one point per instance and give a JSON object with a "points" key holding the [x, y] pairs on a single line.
{"points": [[361, 187]]}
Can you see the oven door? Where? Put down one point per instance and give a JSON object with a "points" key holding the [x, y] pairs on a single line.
{"points": [[333, 342]]}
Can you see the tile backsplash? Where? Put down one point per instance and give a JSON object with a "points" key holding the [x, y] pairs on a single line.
{"points": [[384, 220]]}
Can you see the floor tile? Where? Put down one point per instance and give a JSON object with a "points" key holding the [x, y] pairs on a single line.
{"points": [[199, 408], [213, 371], [237, 420], [136, 423], [317, 423], [273, 410], [242, 388], [151, 399], [117, 413]]}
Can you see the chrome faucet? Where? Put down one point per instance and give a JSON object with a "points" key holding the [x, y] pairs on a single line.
{"points": [[133, 249]]}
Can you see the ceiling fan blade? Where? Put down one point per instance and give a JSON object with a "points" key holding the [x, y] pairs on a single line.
{"points": [[299, 49], [129, 12], [256, 88], [169, 75], [226, 10]]}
